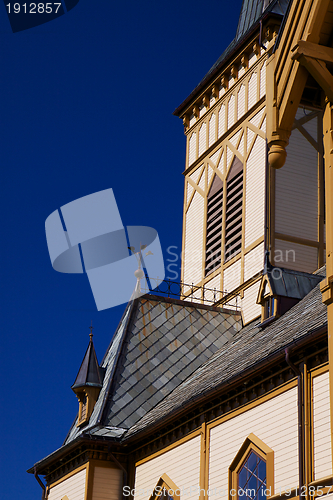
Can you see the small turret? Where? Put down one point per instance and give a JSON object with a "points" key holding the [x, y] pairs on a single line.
{"points": [[88, 383]]}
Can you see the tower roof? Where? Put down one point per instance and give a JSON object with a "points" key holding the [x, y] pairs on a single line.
{"points": [[159, 342], [89, 372], [252, 12]]}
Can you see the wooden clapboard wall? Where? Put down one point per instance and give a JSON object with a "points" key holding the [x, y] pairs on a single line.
{"points": [[299, 222], [232, 128], [181, 464]]}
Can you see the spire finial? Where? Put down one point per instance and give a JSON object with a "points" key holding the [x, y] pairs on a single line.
{"points": [[91, 333]]}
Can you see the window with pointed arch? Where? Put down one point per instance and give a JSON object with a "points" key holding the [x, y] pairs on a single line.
{"points": [[165, 489], [251, 473]]}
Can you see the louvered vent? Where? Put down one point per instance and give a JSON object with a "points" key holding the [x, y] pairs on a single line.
{"points": [[234, 210], [84, 408], [214, 226]]}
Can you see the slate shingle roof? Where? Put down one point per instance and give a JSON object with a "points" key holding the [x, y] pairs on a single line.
{"points": [[251, 346], [158, 344]]}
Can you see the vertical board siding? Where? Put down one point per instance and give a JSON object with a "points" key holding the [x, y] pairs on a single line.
{"points": [[221, 125], [321, 426], [295, 256], [212, 129], [252, 92], [192, 148], [241, 102], [202, 138], [255, 192], [232, 276], [263, 80], [194, 240], [296, 190], [231, 111], [181, 464], [275, 423], [254, 261], [250, 308], [74, 487], [107, 484]]}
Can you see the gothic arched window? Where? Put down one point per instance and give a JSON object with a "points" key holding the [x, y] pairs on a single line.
{"points": [[252, 477], [251, 473]]}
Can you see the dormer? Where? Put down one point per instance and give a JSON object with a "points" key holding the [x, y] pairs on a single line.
{"points": [[280, 289], [88, 383]]}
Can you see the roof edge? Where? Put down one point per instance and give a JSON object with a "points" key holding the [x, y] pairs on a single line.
{"points": [[211, 75]]}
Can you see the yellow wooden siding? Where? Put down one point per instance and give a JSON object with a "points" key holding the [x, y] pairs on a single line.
{"points": [[221, 124], [192, 120], [295, 256], [250, 308], [275, 423], [192, 148], [194, 240], [254, 261], [230, 157], [212, 130], [74, 487], [213, 284], [241, 71], [196, 174], [214, 158], [189, 192], [232, 277], [252, 59], [202, 182], [181, 464], [263, 80], [256, 119], [107, 484], [221, 91], [255, 192], [253, 90], [235, 138], [241, 102], [321, 426], [231, 111], [296, 190], [202, 138], [202, 111]]}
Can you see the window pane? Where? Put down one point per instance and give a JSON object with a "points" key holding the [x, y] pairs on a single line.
{"points": [[252, 477]]}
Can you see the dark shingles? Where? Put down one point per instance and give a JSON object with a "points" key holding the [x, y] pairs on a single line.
{"points": [[250, 346]]}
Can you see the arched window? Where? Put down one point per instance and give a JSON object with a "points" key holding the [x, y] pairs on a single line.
{"points": [[251, 474]]}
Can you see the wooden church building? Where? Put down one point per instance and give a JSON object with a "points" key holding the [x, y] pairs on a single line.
{"points": [[224, 395]]}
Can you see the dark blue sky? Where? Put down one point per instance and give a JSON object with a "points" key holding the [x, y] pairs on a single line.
{"points": [[86, 104]]}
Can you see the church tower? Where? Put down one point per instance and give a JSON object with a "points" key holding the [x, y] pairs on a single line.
{"points": [[235, 207], [233, 381]]}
